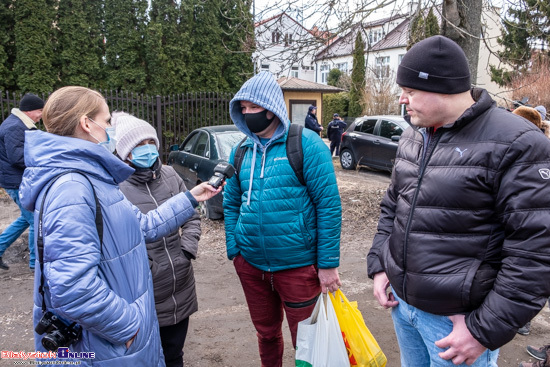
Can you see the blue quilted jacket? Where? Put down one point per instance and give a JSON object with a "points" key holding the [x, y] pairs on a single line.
{"points": [[107, 288], [272, 220]]}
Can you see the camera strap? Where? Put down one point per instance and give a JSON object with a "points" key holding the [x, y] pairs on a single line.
{"points": [[40, 237]]}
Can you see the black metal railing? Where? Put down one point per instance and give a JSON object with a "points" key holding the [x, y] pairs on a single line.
{"points": [[173, 116]]}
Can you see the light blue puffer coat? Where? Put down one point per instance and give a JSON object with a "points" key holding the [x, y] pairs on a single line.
{"points": [[271, 219], [106, 289]]}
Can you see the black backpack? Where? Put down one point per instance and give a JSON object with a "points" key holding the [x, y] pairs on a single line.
{"points": [[294, 152]]}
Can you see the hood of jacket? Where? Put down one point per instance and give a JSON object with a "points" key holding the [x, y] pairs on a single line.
{"points": [[262, 90], [47, 155]]}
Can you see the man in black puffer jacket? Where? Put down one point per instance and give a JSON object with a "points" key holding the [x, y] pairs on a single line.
{"points": [[463, 231]]}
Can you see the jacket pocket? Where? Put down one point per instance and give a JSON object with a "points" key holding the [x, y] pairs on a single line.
{"points": [[306, 232], [482, 283]]}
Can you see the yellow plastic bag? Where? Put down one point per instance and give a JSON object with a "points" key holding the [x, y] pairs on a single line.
{"points": [[363, 350]]}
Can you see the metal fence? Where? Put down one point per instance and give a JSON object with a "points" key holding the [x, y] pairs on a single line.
{"points": [[174, 116]]}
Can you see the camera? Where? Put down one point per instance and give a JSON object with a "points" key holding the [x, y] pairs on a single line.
{"points": [[59, 333], [222, 171]]}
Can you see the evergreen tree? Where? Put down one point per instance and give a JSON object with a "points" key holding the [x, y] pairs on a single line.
{"points": [[525, 24], [417, 32], [357, 77], [125, 26], [238, 43], [80, 44], [333, 77], [33, 45], [7, 24], [431, 27], [208, 54], [167, 49]]}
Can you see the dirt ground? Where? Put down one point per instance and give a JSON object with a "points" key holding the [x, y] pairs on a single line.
{"points": [[220, 333]]}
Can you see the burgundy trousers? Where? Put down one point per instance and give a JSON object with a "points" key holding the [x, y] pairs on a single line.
{"points": [[269, 293]]}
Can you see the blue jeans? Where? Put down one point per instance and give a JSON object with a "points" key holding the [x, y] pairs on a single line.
{"points": [[417, 331], [25, 220]]}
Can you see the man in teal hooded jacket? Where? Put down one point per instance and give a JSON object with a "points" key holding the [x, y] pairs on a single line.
{"points": [[283, 237]]}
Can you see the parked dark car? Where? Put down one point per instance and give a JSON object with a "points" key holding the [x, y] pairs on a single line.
{"points": [[372, 141], [194, 159]]}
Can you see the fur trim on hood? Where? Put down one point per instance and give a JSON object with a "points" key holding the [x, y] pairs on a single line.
{"points": [[530, 114]]}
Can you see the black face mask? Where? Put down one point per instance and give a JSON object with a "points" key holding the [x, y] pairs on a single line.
{"points": [[257, 122]]}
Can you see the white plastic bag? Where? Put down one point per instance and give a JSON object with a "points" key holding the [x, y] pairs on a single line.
{"points": [[319, 341]]}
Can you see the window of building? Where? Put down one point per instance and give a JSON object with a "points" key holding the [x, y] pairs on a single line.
{"points": [[288, 39], [343, 67], [382, 67], [294, 72], [324, 73], [265, 67], [275, 36], [375, 36], [400, 58]]}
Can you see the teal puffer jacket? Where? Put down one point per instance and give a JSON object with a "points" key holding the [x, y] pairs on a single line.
{"points": [[272, 220]]}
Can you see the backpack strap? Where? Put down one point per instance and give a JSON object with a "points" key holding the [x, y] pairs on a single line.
{"points": [[239, 156], [294, 151], [40, 237]]}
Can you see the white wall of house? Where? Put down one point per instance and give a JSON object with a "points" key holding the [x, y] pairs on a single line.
{"points": [[284, 49], [491, 31], [344, 64], [385, 62]]}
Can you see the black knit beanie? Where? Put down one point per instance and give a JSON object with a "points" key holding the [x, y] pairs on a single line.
{"points": [[31, 102], [435, 64]]}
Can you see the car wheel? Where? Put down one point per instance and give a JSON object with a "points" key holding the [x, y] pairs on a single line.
{"points": [[206, 211], [346, 159]]}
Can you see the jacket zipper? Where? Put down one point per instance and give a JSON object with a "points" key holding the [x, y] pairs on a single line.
{"points": [[260, 194], [425, 159], [171, 262]]}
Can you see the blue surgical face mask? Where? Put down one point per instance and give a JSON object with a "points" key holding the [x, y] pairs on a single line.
{"points": [[144, 156], [110, 143]]}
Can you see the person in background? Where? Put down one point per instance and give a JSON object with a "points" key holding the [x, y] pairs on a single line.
{"points": [[335, 129], [542, 110], [12, 165], [544, 117], [283, 236], [530, 114], [311, 120], [542, 355], [151, 185], [94, 274], [463, 233]]}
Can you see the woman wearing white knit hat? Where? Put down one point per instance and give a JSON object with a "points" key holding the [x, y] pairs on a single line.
{"points": [[170, 257]]}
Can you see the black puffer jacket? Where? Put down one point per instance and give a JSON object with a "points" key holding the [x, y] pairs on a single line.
{"points": [[465, 227], [170, 257]]}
